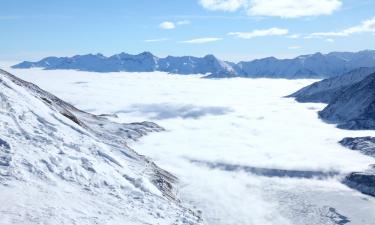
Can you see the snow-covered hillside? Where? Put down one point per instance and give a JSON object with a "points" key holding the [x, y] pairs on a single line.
{"points": [[242, 153], [60, 165]]}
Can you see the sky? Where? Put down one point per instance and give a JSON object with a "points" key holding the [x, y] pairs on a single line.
{"points": [[230, 29]]}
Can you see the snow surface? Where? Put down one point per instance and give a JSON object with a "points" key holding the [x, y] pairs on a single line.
{"points": [[59, 165], [235, 144]]}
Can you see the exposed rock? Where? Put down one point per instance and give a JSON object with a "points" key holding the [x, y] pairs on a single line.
{"points": [[366, 145], [362, 181], [327, 90], [355, 108]]}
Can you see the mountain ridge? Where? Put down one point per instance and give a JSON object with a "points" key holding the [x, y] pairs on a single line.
{"points": [[68, 159], [316, 65]]}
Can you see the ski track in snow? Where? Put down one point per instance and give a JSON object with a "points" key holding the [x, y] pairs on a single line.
{"points": [[241, 124]]}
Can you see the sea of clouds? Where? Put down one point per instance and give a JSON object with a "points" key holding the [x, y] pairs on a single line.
{"points": [[244, 154]]}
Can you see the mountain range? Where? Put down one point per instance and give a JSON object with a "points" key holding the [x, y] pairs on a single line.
{"points": [[316, 65]]}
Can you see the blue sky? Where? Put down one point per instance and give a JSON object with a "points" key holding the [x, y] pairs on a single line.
{"points": [[231, 29]]}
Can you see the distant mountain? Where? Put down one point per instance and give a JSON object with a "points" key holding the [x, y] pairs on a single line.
{"points": [[329, 89], [144, 62], [306, 66], [77, 167]]}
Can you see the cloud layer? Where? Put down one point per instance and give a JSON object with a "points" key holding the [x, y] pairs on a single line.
{"points": [[223, 5], [260, 33], [367, 26], [202, 40], [278, 8]]}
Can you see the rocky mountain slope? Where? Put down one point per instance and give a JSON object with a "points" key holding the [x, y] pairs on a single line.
{"points": [[350, 98], [306, 66], [354, 107], [329, 89], [60, 165]]}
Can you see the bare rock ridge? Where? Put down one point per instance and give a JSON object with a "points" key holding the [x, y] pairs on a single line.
{"points": [[68, 159], [316, 65], [350, 98], [329, 89]]}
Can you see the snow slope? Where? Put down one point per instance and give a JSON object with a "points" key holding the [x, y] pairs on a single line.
{"points": [[242, 153], [60, 165]]}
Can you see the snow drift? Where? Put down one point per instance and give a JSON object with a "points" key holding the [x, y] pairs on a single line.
{"points": [[61, 165]]}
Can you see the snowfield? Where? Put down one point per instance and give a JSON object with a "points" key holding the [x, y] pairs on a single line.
{"points": [[242, 152]]}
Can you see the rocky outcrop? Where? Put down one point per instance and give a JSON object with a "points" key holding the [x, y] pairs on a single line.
{"points": [[365, 145], [361, 181]]}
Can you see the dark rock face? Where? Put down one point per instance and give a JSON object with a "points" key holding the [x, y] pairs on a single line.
{"points": [[4, 144], [329, 89], [350, 98], [306, 66], [366, 145], [362, 181], [354, 109]]}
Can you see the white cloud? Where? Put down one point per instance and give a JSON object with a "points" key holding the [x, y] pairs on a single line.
{"points": [[156, 40], [167, 25], [201, 40], [367, 26], [330, 40], [223, 5], [278, 8], [293, 8], [294, 36], [260, 33], [183, 22]]}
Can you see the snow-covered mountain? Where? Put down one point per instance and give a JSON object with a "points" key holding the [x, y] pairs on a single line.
{"points": [[350, 98], [354, 107], [75, 167], [327, 90], [144, 62], [306, 66]]}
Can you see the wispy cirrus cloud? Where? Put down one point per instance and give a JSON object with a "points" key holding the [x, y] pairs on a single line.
{"points": [[278, 8], [367, 26], [260, 33], [294, 36], [156, 40], [294, 47], [201, 40], [223, 5], [183, 22]]}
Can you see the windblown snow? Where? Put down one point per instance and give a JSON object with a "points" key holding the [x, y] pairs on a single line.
{"points": [[60, 165], [243, 154]]}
